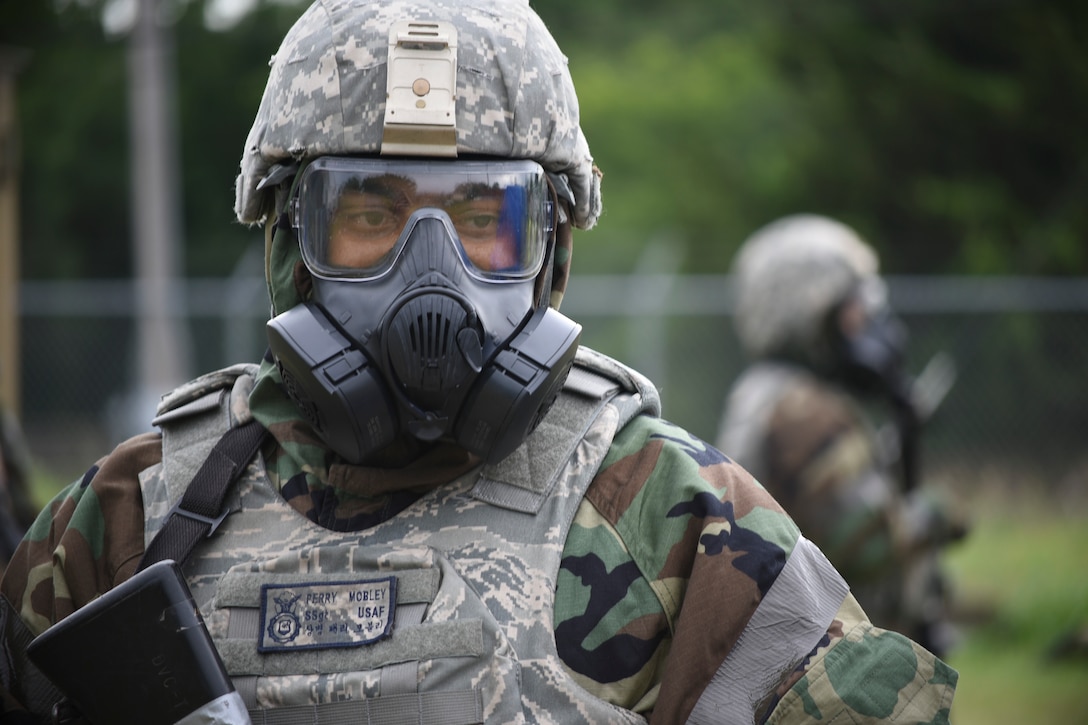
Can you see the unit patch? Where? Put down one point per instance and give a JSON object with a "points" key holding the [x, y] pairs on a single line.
{"points": [[326, 614]]}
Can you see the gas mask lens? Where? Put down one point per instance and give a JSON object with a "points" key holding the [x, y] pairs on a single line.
{"points": [[353, 215]]}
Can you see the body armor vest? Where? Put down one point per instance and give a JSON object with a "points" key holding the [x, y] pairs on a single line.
{"points": [[442, 614]]}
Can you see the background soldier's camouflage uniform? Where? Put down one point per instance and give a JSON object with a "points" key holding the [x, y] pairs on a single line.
{"points": [[815, 449], [810, 435]]}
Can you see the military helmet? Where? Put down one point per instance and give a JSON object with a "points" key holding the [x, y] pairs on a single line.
{"points": [[790, 275], [327, 92]]}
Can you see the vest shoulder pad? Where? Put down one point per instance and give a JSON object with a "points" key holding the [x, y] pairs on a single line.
{"points": [[640, 390], [525, 479], [178, 403], [194, 417]]}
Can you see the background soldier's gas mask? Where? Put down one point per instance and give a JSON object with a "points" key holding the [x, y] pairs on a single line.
{"points": [[429, 310], [869, 342]]}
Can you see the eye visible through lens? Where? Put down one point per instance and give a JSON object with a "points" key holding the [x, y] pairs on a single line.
{"points": [[487, 242], [357, 218], [363, 230]]}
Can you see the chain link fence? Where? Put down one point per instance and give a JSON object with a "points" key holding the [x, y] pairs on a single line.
{"points": [[1016, 415]]}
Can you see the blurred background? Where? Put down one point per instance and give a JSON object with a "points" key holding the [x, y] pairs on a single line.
{"points": [[951, 135]]}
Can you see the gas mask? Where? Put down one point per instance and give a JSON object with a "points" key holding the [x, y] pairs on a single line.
{"points": [[426, 316], [871, 359]]}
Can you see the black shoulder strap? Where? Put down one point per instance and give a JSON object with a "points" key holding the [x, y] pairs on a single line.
{"points": [[200, 511]]}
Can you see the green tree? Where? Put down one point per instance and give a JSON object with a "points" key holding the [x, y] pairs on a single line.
{"points": [[952, 131], [71, 104], [949, 134], [73, 115]]}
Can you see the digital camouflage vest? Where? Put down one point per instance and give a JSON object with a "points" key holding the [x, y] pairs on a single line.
{"points": [[441, 614]]}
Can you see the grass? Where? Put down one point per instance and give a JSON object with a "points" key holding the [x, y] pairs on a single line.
{"points": [[1025, 566]]}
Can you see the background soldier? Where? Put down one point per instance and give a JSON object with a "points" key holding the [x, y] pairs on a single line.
{"points": [[455, 513], [827, 418]]}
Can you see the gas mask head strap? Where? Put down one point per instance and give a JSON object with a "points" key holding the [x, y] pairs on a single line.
{"points": [[553, 283]]}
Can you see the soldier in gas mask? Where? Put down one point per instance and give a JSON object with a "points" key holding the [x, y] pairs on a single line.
{"points": [[827, 417], [430, 503]]}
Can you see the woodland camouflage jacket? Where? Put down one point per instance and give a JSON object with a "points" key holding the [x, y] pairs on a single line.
{"points": [[815, 447], [672, 551]]}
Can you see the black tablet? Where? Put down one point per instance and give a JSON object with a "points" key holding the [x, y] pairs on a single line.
{"points": [[140, 652]]}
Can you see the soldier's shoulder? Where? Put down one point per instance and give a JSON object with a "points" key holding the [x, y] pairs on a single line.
{"points": [[659, 464], [191, 396]]}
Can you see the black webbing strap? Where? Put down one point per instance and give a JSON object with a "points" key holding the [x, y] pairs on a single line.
{"points": [[17, 673], [200, 511]]}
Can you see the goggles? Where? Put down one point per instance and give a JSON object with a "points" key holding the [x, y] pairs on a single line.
{"points": [[353, 215]]}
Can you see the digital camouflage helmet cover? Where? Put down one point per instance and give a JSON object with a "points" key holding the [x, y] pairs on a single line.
{"points": [[420, 340]]}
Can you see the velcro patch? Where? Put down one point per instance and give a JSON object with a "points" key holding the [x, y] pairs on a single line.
{"points": [[326, 614]]}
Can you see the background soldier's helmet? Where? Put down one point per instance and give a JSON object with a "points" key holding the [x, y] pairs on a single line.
{"points": [[326, 94], [789, 276]]}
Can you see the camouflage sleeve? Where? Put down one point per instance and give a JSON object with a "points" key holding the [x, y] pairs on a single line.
{"points": [[674, 554], [860, 673], [679, 544], [87, 540]]}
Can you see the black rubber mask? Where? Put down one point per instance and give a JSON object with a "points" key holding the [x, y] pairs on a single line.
{"points": [[427, 348]]}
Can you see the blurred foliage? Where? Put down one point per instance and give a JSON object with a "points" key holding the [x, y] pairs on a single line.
{"points": [[71, 104], [952, 129], [948, 133], [74, 122]]}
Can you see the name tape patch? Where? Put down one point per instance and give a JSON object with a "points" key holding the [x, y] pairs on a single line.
{"points": [[326, 614]]}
